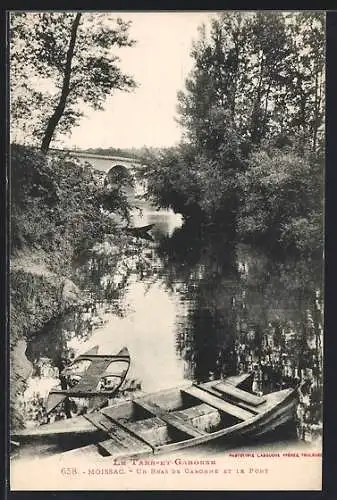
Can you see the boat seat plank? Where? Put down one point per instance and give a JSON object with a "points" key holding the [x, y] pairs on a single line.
{"points": [[99, 420], [217, 403], [235, 380], [153, 430], [170, 418], [220, 395], [120, 437], [235, 392], [199, 410], [201, 416]]}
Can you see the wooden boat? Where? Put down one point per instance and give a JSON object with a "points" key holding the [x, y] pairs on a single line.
{"points": [[141, 228], [168, 420], [102, 376], [141, 231]]}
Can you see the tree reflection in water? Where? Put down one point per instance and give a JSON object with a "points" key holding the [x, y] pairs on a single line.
{"points": [[246, 311], [103, 275]]}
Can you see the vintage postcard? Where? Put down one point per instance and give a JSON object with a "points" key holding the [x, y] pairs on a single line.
{"points": [[166, 267]]}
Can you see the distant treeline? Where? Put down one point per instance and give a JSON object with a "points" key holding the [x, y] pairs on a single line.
{"points": [[129, 152]]}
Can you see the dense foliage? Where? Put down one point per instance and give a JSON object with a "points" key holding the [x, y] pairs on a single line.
{"points": [[59, 205], [253, 112], [69, 61], [282, 199]]}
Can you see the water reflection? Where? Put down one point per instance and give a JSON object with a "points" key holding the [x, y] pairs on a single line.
{"points": [[236, 293], [165, 221], [246, 312], [148, 332], [193, 305]]}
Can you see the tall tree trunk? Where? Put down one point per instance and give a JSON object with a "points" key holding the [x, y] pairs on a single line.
{"points": [[317, 108], [255, 119], [58, 112], [264, 121]]}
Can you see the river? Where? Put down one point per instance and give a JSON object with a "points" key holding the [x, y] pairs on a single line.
{"points": [[190, 305]]}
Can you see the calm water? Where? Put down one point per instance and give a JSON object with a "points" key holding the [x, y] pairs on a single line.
{"points": [[189, 305]]}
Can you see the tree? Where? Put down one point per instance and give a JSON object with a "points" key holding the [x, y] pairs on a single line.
{"points": [[210, 99], [282, 199], [306, 94], [261, 73], [172, 180], [211, 110], [268, 70], [60, 62], [252, 111]]}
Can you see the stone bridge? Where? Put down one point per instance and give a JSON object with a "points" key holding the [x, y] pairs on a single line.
{"points": [[104, 163], [114, 166]]}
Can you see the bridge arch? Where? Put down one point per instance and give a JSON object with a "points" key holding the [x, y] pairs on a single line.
{"points": [[120, 175], [119, 170]]}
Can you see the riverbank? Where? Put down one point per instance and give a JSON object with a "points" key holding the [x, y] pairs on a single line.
{"points": [[38, 295], [56, 216]]}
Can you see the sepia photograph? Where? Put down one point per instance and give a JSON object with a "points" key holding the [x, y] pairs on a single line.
{"points": [[166, 316]]}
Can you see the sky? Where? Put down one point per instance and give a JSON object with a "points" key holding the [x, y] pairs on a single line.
{"points": [[159, 62]]}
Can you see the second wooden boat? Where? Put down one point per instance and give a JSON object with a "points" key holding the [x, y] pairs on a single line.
{"points": [[89, 375]]}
